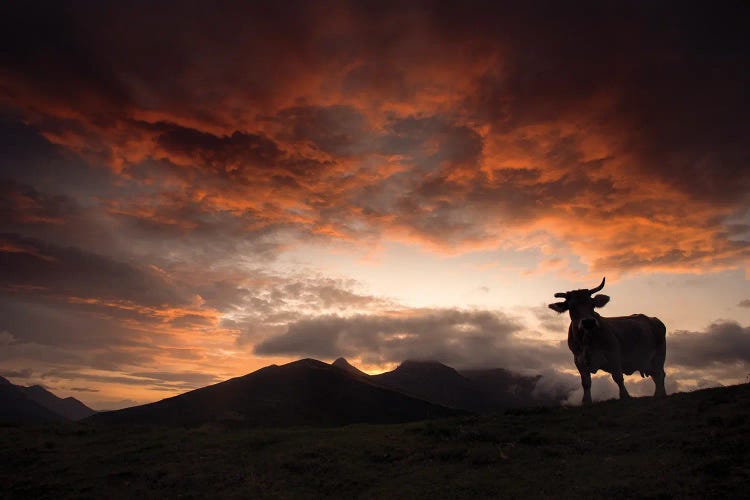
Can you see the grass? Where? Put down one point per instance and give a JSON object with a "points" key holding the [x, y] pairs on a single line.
{"points": [[686, 446]]}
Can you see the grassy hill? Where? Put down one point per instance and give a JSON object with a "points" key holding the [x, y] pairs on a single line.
{"points": [[694, 445]]}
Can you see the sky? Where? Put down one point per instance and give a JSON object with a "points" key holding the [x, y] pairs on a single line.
{"points": [[190, 191]]}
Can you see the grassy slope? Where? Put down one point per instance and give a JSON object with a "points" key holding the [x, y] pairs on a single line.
{"points": [[686, 446]]}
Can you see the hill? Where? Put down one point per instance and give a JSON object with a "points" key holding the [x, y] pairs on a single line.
{"points": [[37, 404], [478, 391], [16, 406], [69, 408], [693, 445], [501, 389], [434, 382], [347, 367], [305, 392]]}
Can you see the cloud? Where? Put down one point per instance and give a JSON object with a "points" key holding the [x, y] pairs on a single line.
{"points": [[238, 156], [24, 373], [470, 339], [6, 338], [454, 126], [550, 321], [722, 350], [144, 195], [188, 378], [460, 338], [744, 303], [33, 264], [171, 381]]}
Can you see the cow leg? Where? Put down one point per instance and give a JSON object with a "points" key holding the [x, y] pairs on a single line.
{"points": [[617, 377], [585, 383], [658, 375], [658, 379]]}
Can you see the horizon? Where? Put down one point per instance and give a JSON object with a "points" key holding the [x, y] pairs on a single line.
{"points": [[191, 193]]}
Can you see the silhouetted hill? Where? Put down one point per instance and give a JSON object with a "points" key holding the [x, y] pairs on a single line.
{"points": [[69, 407], [480, 391], [502, 389], [305, 392], [434, 382], [17, 407], [686, 446], [343, 364]]}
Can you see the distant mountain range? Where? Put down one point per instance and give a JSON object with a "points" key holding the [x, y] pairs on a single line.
{"points": [[478, 391], [311, 392], [37, 404], [304, 392]]}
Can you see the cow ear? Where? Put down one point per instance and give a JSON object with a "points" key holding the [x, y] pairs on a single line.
{"points": [[600, 300], [560, 307]]}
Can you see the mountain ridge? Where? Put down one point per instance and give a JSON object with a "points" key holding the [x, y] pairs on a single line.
{"points": [[474, 390], [688, 445], [303, 392], [69, 407], [34, 403]]}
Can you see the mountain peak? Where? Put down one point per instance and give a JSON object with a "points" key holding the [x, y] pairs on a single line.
{"points": [[303, 392], [431, 365], [307, 362], [343, 364]]}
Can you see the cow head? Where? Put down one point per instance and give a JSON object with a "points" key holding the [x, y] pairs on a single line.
{"points": [[580, 304]]}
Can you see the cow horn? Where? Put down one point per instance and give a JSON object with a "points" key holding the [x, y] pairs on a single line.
{"points": [[601, 285], [561, 295]]}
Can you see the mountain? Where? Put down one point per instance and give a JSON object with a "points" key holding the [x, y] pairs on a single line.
{"points": [[500, 388], [685, 446], [479, 391], [433, 382], [304, 392], [16, 407], [347, 367], [36, 404], [69, 407]]}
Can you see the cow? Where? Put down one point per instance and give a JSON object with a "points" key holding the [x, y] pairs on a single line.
{"points": [[620, 345]]}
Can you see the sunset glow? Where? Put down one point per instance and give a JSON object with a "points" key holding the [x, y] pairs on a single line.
{"points": [[190, 193]]}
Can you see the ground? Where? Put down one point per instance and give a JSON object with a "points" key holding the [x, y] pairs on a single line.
{"points": [[694, 445]]}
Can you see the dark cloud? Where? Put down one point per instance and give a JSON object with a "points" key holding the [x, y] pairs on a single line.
{"points": [[22, 204], [723, 347], [337, 130], [551, 321], [744, 303], [142, 190], [27, 263], [567, 386], [237, 156], [172, 381], [461, 94], [459, 338], [190, 378], [83, 389], [25, 373]]}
